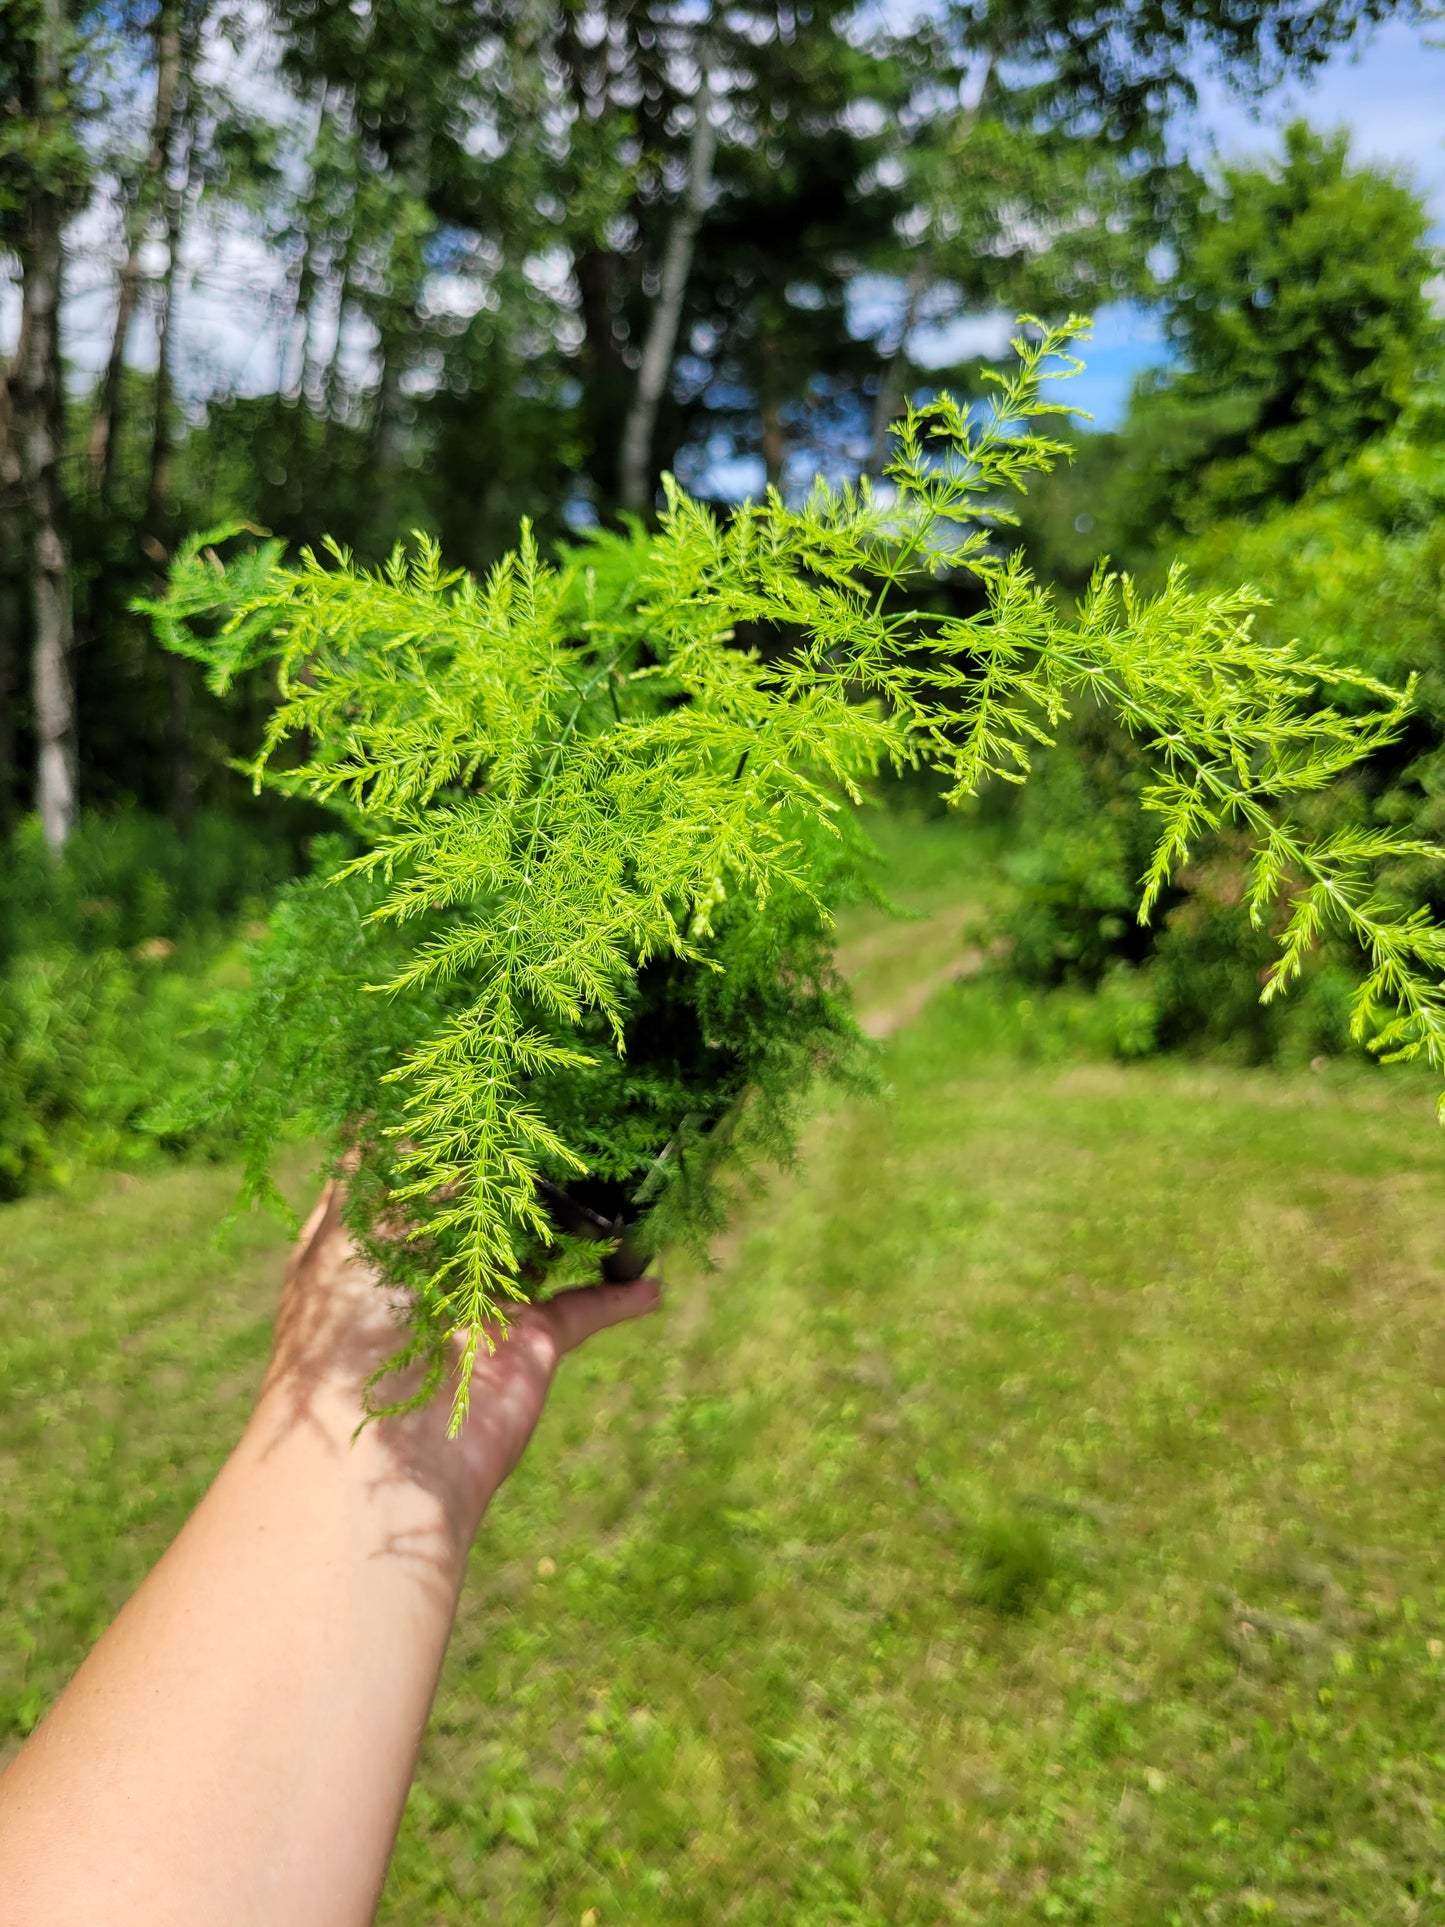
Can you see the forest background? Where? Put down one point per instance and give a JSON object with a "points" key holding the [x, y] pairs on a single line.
{"points": [[355, 271]]}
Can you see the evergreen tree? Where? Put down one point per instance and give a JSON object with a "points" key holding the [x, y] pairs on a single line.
{"points": [[1300, 312]]}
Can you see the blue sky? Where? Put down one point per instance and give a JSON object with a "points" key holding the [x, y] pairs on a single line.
{"points": [[1390, 94]]}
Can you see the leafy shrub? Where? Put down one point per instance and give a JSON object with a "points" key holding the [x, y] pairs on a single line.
{"points": [[108, 961], [1079, 842], [1360, 563], [90, 1045], [128, 878]]}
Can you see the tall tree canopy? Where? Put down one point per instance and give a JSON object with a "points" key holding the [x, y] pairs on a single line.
{"points": [[489, 254]]}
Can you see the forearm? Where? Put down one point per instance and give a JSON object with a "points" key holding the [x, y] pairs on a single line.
{"points": [[239, 1745]]}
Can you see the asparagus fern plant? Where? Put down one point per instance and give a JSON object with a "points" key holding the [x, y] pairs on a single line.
{"points": [[567, 958]]}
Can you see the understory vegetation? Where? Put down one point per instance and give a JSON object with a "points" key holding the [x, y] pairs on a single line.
{"points": [[109, 967]]}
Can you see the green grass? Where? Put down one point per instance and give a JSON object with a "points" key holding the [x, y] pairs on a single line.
{"points": [[1038, 1517]]}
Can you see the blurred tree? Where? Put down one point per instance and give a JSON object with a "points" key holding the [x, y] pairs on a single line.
{"points": [[1042, 191], [769, 350], [505, 264], [183, 154], [1014, 217], [553, 185], [1300, 303], [506, 218], [1301, 314], [660, 343], [1125, 65], [125, 102], [142, 191], [43, 174], [1359, 564], [1301, 443]]}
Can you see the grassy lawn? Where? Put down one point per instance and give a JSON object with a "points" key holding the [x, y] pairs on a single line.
{"points": [[1038, 1517]]}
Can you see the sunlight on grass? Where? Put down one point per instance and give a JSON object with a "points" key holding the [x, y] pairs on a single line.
{"points": [[1038, 1521], [1038, 1518]]}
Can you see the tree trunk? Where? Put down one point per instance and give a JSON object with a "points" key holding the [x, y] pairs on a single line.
{"points": [[889, 403], [106, 428], [774, 447], [41, 425], [156, 532], [608, 387], [635, 459], [389, 438], [50, 601], [158, 474], [12, 588], [9, 627], [400, 327], [605, 379], [330, 376], [11, 605]]}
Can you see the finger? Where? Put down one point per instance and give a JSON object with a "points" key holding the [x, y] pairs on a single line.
{"points": [[576, 1315]]}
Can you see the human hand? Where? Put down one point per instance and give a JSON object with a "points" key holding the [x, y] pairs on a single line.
{"points": [[336, 1326]]}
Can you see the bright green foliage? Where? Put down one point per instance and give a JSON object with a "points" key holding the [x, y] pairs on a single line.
{"points": [[1308, 325], [1077, 842], [594, 844]]}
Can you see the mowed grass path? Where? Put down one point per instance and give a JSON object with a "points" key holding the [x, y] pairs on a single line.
{"points": [[1037, 1518]]}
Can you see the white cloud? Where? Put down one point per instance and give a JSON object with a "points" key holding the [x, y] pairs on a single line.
{"points": [[961, 339]]}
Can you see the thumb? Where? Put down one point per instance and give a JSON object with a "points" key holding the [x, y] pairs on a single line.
{"points": [[576, 1315]]}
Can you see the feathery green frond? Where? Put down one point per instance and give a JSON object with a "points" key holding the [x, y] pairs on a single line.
{"points": [[599, 820]]}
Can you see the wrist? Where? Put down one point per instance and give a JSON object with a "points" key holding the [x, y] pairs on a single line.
{"points": [[404, 1469]]}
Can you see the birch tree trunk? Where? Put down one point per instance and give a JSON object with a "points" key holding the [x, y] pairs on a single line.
{"points": [[156, 531], [106, 428], [635, 459], [775, 448], [9, 627], [12, 586], [40, 410]]}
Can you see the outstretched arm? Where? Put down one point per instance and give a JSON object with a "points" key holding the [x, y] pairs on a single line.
{"points": [[238, 1746]]}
